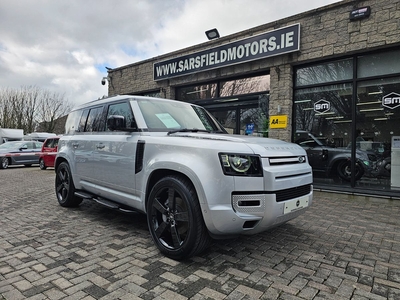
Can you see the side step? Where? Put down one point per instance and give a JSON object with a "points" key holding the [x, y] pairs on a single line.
{"points": [[104, 202]]}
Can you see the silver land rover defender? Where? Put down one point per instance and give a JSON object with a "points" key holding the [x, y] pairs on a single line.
{"points": [[174, 162]]}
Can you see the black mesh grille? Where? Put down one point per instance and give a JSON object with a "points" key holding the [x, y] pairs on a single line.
{"points": [[291, 193]]}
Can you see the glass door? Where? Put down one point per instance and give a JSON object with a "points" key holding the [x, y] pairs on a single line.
{"points": [[378, 119], [246, 115]]}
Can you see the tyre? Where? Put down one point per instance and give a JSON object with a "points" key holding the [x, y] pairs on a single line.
{"points": [[65, 189], [175, 220], [344, 170], [42, 166], [4, 163]]}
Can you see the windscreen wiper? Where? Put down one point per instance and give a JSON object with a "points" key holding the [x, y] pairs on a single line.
{"points": [[188, 130]]}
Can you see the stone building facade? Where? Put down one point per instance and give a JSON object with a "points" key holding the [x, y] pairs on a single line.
{"points": [[339, 45]]}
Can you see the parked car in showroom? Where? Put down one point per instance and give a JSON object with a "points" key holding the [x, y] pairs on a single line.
{"points": [[49, 152], [331, 161], [19, 153], [174, 162]]}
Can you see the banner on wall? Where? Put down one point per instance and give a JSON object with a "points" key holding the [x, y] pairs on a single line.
{"points": [[272, 43]]}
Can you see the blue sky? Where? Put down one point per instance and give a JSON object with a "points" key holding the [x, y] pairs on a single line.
{"points": [[64, 45]]}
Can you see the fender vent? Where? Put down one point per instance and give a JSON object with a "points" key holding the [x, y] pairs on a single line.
{"points": [[139, 156]]}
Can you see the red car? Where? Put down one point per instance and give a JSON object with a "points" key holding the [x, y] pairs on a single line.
{"points": [[49, 152]]}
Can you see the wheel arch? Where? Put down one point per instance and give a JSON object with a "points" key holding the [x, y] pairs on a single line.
{"points": [[157, 175], [58, 161]]}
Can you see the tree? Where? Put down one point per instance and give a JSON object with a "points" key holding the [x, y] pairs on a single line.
{"points": [[27, 107]]}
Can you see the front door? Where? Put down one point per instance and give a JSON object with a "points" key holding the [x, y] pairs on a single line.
{"points": [[246, 115]]}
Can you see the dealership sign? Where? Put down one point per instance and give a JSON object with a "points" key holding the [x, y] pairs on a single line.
{"points": [[322, 106], [272, 43], [391, 100]]}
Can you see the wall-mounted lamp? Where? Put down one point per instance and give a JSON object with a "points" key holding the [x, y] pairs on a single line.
{"points": [[212, 34]]}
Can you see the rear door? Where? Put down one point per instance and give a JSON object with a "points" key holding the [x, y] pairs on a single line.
{"points": [[82, 143]]}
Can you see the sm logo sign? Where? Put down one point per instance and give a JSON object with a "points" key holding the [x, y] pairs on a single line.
{"points": [[322, 106], [391, 100]]}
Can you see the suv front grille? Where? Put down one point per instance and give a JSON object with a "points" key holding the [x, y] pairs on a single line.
{"points": [[275, 161], [291, 193]]}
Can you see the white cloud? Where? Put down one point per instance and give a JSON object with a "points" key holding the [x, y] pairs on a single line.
{"points": [[63, 45]]}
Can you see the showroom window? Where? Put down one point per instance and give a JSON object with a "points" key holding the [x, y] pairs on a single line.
{"points": [[239, 104], [347, 120]]}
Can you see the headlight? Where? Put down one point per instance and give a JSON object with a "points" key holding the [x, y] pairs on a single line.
{"points": [[240, 164]]}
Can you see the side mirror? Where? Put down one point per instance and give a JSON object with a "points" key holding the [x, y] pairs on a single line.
{"points": [[116, 122]]}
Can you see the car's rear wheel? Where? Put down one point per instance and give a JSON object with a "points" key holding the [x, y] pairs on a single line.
{"points": [[4, 163], [175, 220], [65, 189], [42, 166], [344, 170]]}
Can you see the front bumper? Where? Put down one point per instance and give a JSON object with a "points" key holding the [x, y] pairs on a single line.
{"points": [[251, 213]]}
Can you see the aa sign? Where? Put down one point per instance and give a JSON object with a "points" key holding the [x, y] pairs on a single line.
{"points": [[279, 121]]}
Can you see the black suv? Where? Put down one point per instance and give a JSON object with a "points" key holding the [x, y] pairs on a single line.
{"points": [[331, 161]]}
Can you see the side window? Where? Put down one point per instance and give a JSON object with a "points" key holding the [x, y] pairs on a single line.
{"points": [[71, 125], [48, 143], [122, 109], [95, 121], [82, 121], [28, 145]]}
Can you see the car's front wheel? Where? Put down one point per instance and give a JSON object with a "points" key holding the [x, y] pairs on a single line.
{"points": [[42, 166], [175, 220], [4, 163], [65, 189], [344, 170]]}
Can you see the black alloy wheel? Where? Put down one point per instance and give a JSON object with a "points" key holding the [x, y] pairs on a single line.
{"points": [[344, 170], [175, 220], [64, 185]]}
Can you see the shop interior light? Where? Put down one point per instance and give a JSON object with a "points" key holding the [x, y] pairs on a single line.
{"points": [[371, 109], [302, 101], [346, 121], [380, 119], [334, 118], [212, 34], [375, 93], [368, 103], [308, 108], [325, 114]]}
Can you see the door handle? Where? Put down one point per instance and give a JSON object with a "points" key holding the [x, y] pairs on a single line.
{"points": [[75, 145], [100, 146]]}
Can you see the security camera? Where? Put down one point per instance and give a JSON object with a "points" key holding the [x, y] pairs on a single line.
{"points": [[103, 81]]}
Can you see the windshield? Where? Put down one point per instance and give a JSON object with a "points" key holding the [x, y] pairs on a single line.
{"points": [[169, 116], [11, 145]]}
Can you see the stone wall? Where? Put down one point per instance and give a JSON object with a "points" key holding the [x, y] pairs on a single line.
{"points": [[326, 33]]}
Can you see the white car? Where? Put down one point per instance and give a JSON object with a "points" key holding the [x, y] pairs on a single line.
{"points": [[174, 162]]}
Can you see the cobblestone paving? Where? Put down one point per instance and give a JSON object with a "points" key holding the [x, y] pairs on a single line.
{"points": [[344, 247]]}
